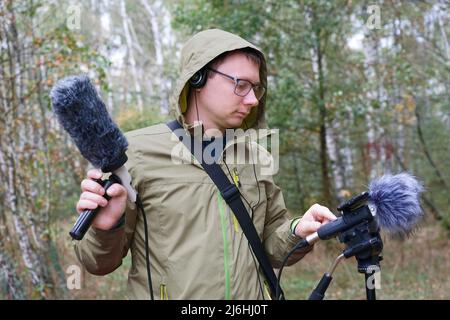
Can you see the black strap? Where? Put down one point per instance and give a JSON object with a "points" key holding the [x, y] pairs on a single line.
{"points": [[231, 195]]}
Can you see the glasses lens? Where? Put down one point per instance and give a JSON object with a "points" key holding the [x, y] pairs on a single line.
{"points": [[259, 91], [243, 87]]}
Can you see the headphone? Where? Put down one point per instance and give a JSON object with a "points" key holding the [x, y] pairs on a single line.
{"points": [[198, 80]]}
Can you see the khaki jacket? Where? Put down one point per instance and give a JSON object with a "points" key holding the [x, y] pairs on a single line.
{"points": [[197, 248]]}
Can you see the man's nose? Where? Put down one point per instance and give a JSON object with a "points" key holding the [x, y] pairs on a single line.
{"points": [[250, 99]]}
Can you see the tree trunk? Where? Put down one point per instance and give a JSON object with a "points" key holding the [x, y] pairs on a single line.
{"points": [[132, 61], [298, 182], [324, 166], [17, 147], [163, 90], [427, 153]]}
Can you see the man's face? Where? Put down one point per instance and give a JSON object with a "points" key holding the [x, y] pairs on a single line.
{"points": [[221, 108]]}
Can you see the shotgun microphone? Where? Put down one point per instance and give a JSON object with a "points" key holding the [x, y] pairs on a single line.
{"points": [[83, 115]]}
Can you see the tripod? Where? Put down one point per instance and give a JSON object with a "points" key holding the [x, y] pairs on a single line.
{"points": [[362, 241], [367, 266]]}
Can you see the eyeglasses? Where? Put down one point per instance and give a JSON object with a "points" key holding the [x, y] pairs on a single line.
{"points": [[242, 87]]}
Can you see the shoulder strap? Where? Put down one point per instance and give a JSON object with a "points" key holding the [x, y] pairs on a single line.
{"points": [[231, 195]]}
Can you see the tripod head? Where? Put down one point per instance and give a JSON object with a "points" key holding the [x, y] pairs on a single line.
{"points": [[362, 240]]}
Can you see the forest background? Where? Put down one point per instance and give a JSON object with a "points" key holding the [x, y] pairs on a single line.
{"points": [[357, 90]]}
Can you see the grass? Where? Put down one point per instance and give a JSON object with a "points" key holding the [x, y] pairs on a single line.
{"points": [[416, 268]]}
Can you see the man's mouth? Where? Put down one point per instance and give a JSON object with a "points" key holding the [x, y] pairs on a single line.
{"points": [[243, 114]]}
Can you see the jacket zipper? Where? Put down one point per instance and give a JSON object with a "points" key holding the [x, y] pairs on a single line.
{"points": [[267, 290], [163, 292], [225, 247], [237, 183]]}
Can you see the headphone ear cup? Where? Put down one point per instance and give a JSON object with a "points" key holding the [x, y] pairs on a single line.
{"points": [[198, 80]]}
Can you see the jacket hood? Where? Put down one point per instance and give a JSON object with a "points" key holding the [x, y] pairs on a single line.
{"points": [[198, 51]]}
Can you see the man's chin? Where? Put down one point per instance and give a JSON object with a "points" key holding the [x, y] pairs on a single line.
{"points": [[235, 123]]}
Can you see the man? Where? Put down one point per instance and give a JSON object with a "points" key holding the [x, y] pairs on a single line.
{"points": [[197, 248]]}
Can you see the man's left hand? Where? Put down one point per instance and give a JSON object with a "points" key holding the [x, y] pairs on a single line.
{"points": [[313, 219]]}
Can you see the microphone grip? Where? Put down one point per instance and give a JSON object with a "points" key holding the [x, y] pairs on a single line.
{"points": [[331, 229], [86, 218], [347, 221]]}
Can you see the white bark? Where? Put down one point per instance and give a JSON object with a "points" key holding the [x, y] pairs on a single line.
{"points": [[158, 44], [29, 257], [17, 136], [132, 61], [378, 94], [443, 36], [332, 154]]}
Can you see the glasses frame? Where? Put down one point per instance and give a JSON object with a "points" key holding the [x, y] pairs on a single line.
{"points": [[237, 81]]}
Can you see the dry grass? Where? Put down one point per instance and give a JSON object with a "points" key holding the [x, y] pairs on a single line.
{"points": [[417, 268]]}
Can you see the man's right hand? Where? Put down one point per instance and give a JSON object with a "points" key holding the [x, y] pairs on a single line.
{"points": [[92, 197]]}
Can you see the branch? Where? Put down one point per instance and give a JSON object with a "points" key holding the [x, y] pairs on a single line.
{"points": [[426, 151]]}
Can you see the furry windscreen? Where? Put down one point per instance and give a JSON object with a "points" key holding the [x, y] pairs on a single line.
{"points": [[396, 198], [83, 115]]}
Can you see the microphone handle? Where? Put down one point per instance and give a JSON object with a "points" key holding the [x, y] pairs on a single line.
{"points": [[86, 218]]}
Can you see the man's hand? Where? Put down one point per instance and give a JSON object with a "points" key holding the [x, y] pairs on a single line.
{"points": [[313, 219], [92, 197]]}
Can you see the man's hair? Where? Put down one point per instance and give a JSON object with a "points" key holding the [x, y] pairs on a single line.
{"points": [[253, 55]]}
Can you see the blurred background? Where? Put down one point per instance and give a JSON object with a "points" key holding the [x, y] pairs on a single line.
{"points": [[356, 91]]}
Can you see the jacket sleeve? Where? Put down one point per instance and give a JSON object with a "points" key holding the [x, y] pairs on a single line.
{"points": [[278, 238], [101, 251]]}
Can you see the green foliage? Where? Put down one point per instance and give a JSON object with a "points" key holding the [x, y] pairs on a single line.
{"points": [[349, 91], [131, 118], [238, 17]]}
